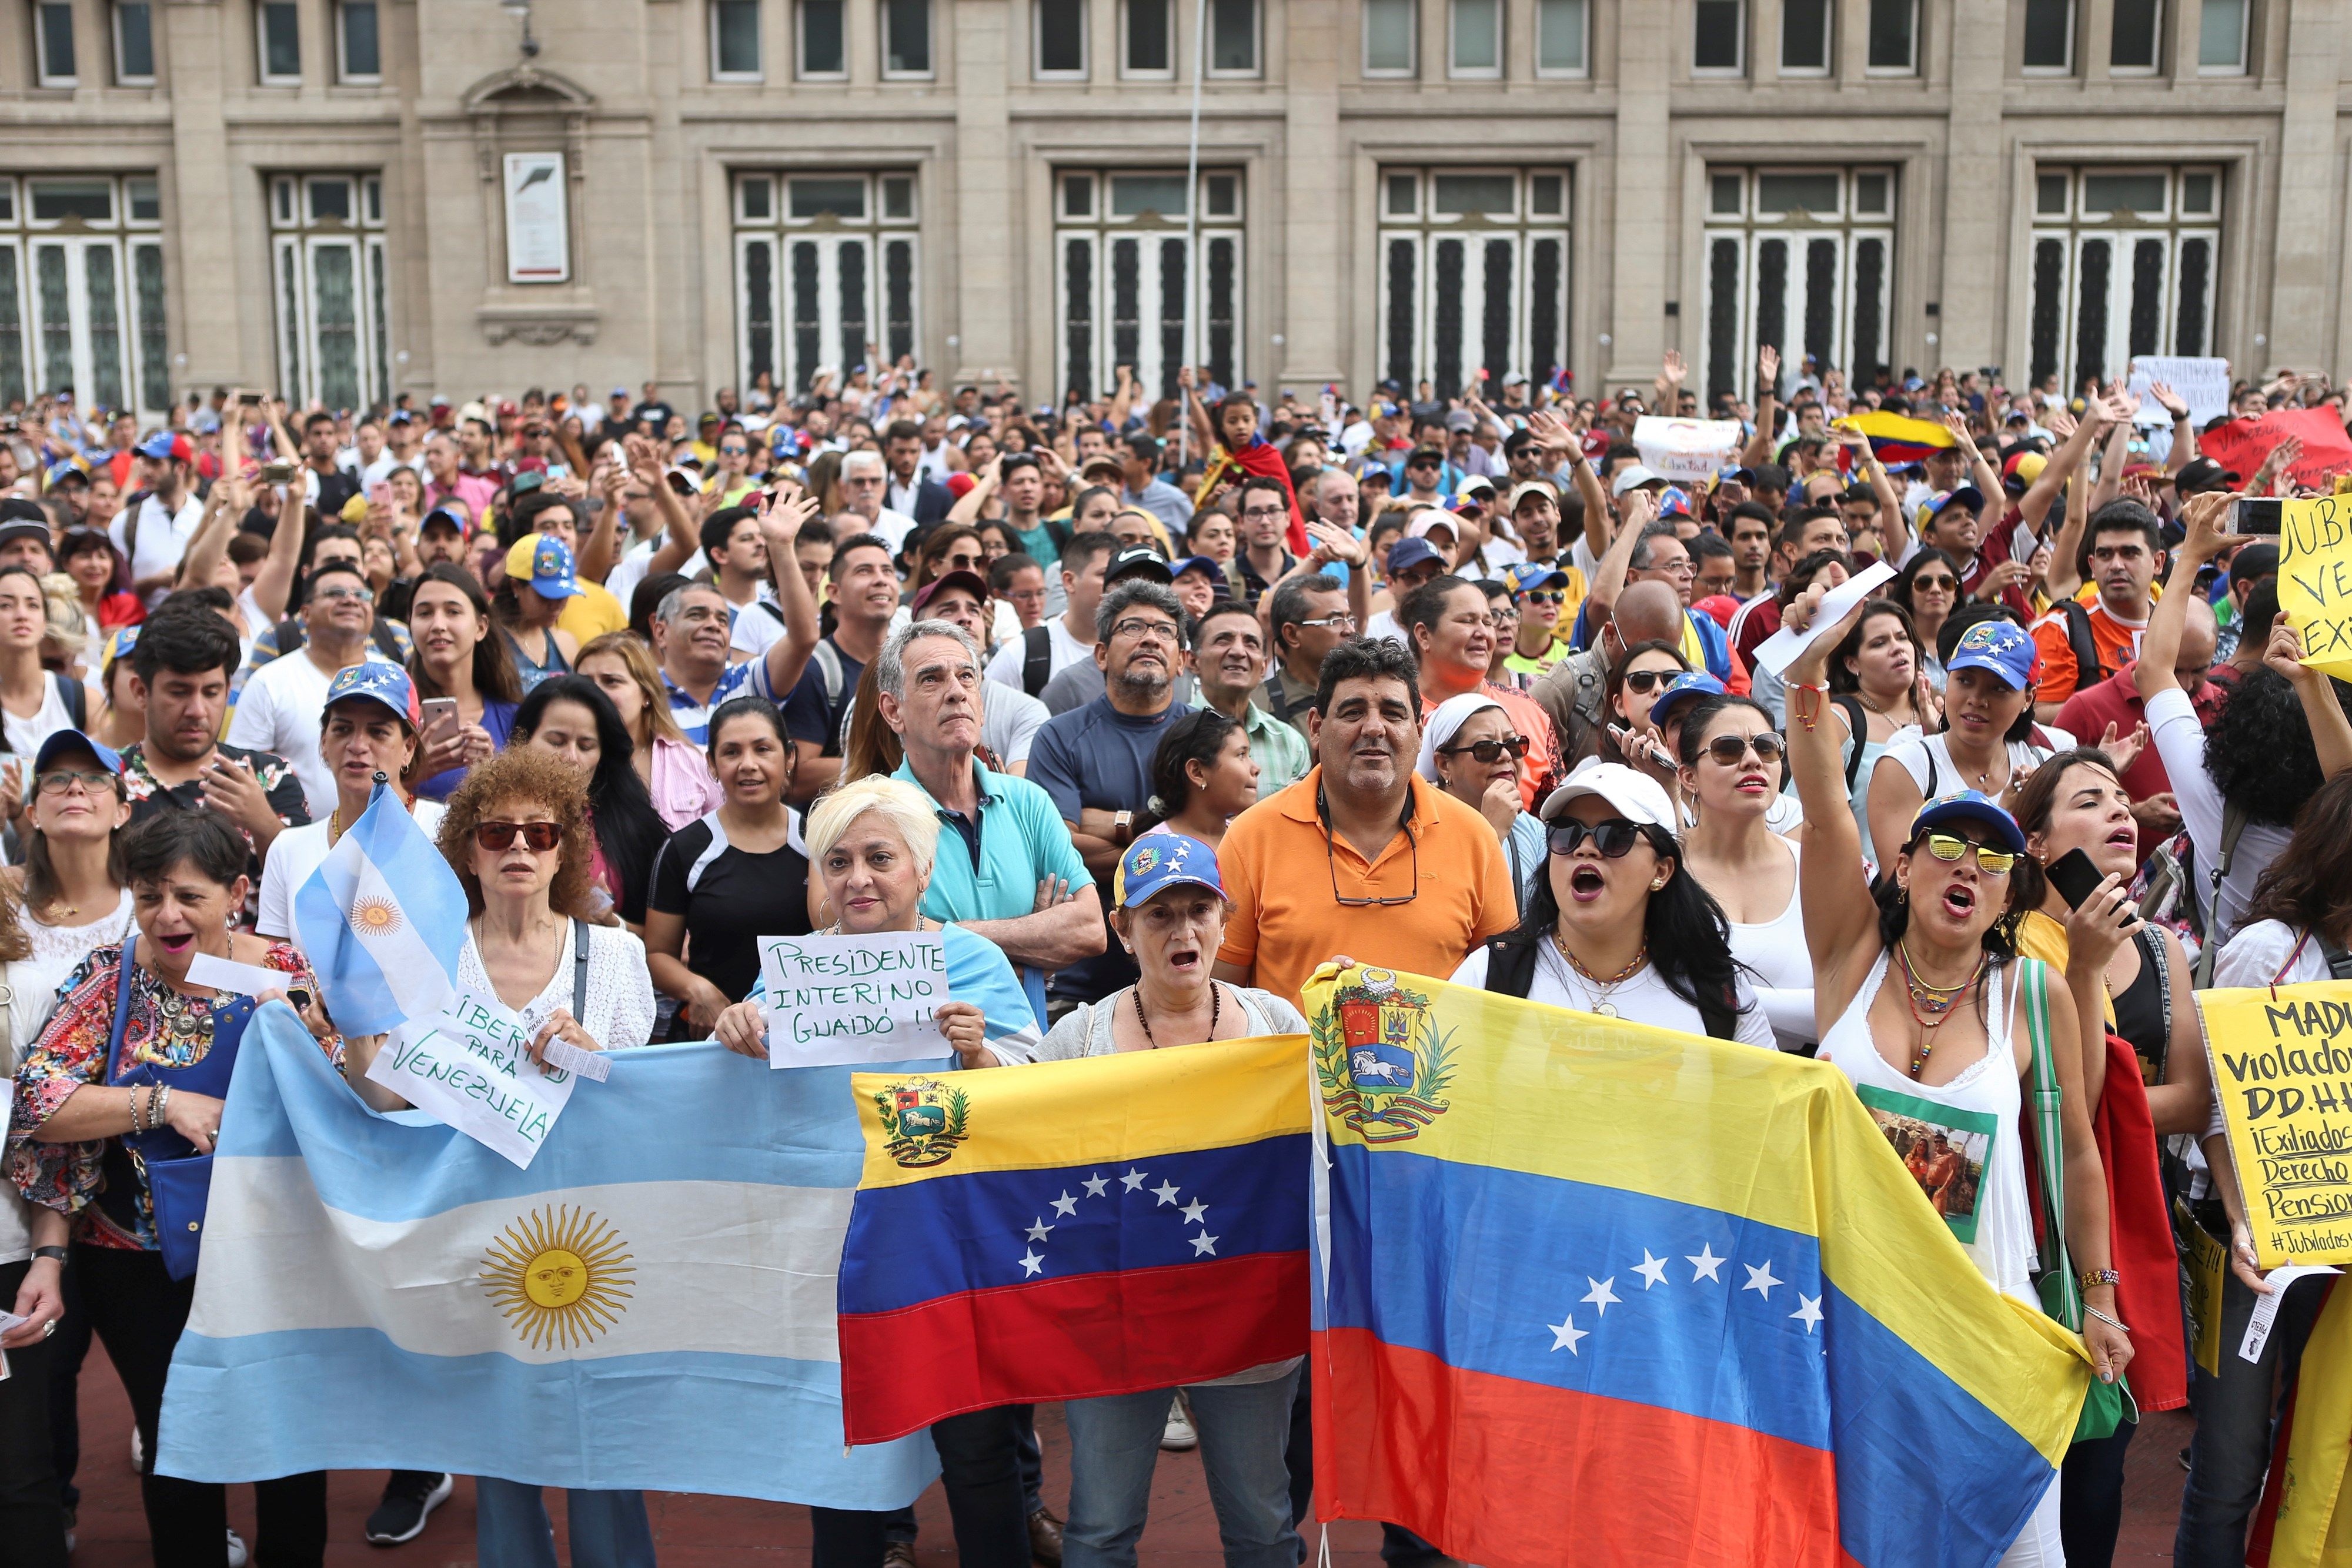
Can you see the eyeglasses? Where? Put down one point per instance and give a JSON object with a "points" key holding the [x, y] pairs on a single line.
{"points": [[1544, 596], [1341, 623], [1728, 749], [724, 452], [1937, 584], [1642, 683], [541, 837], [1951, 847], [1614, 839], [1490, 751], [58, 783], [332, 594], [1262, 513], [1501, 617], [1139, 629]]}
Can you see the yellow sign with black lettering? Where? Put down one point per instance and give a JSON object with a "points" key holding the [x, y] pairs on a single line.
{"points": [[2282, 1065], [2314, 581]]}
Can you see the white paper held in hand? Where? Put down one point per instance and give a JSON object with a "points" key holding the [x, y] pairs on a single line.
{"points": [[1779, 651], [2266, 1308], [466, 1066], [227, 975], [842, 1001], [571, 1058]]}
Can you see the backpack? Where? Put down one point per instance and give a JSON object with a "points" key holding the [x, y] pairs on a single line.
{"points": [[1036, 658], [2088, 671], [1511, 970]]}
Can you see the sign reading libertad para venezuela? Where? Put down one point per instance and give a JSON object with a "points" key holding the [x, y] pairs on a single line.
{"points": [[2283, 1063]]}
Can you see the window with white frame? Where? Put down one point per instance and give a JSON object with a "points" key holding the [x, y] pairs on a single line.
{"points": [[825, 263], [2222, 32], [1148, 38], [1473, 273], [1127, 283], [1474, 38], [134, 43], [824, 49], [1060, 41], [1802, 260], [359, 46], [2049, 42], [53, 44], [1804, 37], [1560, 38], [2124, 263], [905, 38], [278, 35], [2135, 38], [1719, 37], [81, 291], [1233, 38], [1391, 29], [1894, 45], [735, 40], [327, 244]]}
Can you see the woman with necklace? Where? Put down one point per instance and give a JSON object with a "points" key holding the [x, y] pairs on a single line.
{"points": [[1880, 695], [1615, 927], [461, 656], [70, 887], [1949, 1046]]}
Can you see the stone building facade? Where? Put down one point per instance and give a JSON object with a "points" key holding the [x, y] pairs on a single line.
{"points": [[351, 198]]}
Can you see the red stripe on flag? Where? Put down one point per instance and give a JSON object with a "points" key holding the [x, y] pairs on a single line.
{"points": [[1517, 1475], [1118, 1333]]}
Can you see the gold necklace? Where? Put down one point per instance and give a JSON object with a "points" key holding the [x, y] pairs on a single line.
{"points": [[1602, 1004]]}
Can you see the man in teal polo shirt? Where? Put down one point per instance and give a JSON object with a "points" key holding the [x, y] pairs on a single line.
{"points": [[1006, 868]]}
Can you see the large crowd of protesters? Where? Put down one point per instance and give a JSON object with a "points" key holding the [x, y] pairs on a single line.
{"points": [[1157, 705]]}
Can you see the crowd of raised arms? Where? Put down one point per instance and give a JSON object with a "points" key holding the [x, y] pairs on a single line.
{"points": [[1165, 702]]}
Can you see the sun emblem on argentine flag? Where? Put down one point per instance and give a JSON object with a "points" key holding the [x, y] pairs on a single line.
{"points": [[374, 915], [558, 1275]]}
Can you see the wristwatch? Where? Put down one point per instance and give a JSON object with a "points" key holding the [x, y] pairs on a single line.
{"points": [[1123, 829], [56, 1253]]}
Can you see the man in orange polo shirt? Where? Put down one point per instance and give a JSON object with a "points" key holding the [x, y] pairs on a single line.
{"points": [[1360, 857]]}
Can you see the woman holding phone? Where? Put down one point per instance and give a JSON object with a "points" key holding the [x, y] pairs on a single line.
{"points": [[466, 683]]}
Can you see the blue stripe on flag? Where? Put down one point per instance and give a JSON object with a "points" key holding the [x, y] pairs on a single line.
{"points": [[408, 965]]}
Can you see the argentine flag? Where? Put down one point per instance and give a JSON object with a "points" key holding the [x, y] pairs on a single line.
{"points": [[651, 1305], [382, 920]]}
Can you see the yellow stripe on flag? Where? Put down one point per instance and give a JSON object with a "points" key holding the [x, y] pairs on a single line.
{"points": [[2314, 1529]]}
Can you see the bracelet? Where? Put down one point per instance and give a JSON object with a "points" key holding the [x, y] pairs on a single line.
{"points": [[2112, 1322], [1809, 714], [2091, 1278], [59, 1253], [159, 1113]]}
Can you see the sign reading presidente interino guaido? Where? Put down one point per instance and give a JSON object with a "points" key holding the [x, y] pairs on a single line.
{"points": [[2282, 1064]]}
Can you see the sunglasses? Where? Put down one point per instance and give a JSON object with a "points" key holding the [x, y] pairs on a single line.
{"points": [[1642, 683], [1728, 749], [1490, 751], [1933, 584], [1951, 847], [541, 837], [1614, 839], [1543, 596]]}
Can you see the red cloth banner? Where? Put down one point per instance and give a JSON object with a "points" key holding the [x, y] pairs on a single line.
{"points": [[2240, 445]]}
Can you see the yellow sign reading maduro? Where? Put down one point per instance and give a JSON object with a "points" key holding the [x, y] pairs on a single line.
{"points": [[2283, 1063]]}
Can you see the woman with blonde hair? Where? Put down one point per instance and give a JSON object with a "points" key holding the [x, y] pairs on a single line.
{"points": [[676, 772]]}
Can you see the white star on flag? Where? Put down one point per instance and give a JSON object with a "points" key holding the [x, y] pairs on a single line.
{"points": [[1565, 1334], [1651, 1269], [1065, 1205], [1809, 1311], [1133, 1180], [1031, 1262], [1603, 1295], [1205, 1244], [1098, 1187], [1196, 1212], [1704, 1265], [1039, 1229], [1165, 1192], [1759, 1280]]}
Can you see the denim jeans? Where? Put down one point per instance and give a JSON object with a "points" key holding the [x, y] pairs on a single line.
{"points": [[1115, 1444], [609, 1528], [2232, 1447]]}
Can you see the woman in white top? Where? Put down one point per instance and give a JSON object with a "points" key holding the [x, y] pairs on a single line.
{"points": [[1947, 1045], [32, 699], [1615, 927], [74, 897], [1734, 764]]}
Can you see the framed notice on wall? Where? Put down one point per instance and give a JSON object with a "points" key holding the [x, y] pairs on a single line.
{"points": [[539, 235]]}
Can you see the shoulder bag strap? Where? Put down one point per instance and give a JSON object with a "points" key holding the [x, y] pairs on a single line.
{"points": [[2048, 1144], [1858, 727], [2160, 963], [122, 1002], [578, 971], [2233, 823]]}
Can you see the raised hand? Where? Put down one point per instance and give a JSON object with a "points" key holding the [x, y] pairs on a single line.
{"points": [[1768, 370], [2172, 403]]}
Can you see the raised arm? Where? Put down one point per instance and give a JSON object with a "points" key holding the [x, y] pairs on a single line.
{"points": [[2331, 732], [2063, 578], [973, 502], [2035, 505], [2184, 431], [1841, 920], [1609, 575], [781, 521], [1768, 406], [2160, 645], [2118, 435], [683, 539], [202, 558]]}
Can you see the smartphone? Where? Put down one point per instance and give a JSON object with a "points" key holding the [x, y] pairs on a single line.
{"points": [[279, 473], [247, 398], [2255, 515], [438, 708], [379, 493], [2074, 877]]}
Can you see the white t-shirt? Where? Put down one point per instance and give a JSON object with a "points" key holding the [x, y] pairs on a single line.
{"points": [[1063, 650], [295, 854], [26, 732], [753, 627], [894, 528], [279, 711], [632, 568], [2179, 740], [1644, 998], [163, 539]]}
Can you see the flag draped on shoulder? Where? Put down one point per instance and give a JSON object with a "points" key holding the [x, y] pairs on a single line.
{"points": [[1261, 459], [1074, 1228], [1896, 439], [1591, 1291], [382, 920], [649, 1305]]}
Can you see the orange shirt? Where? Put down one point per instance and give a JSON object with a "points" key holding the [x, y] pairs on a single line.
{"points": [[2116, 640], [1528, 717], [1285, 922]]}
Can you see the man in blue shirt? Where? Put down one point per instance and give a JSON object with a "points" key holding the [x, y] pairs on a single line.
{"points": [[1095, 761]]}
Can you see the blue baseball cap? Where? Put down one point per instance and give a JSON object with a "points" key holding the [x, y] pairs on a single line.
{"points": [[1406, 554], [1207, 563], [376, 681], [1966, 495], [1158, 862], [1970, 806], [542, 560], [1673, 501], [1694, 684], [2004, 647], [165, 444], [65, 740], [1526, 574]]}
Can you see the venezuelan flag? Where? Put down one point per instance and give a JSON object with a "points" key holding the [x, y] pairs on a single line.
{"points": [[1898, 439], [1072, 1228], [1599, 1293], [2304, 1521]]}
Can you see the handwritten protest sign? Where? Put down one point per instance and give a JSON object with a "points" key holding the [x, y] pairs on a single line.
{"points": [[836, 1001], [2240, 445], [2314, 581], [2282, 1064], [2202, 384], [1687, 448], [466, 1066]]}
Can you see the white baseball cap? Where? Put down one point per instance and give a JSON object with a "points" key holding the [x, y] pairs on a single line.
{"points": [[1633, 478], [1637, 796]]}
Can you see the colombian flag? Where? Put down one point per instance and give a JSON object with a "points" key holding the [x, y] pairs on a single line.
{"points": [[1897, 438], [1599, 1293], [1072, 1228]]}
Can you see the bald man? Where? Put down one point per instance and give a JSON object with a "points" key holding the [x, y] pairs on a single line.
{"points": [[2115, 701], [1571, 692]]}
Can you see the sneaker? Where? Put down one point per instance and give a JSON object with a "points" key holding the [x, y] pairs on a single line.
{"points": [[236, 1550], [1178, 1436], [409, 1498]]}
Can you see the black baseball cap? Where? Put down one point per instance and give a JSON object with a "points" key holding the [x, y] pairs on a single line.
{"points": [[1137, 560]]}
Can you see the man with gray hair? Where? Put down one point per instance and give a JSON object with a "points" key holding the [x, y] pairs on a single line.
{"points": [[865, 486], [1095, 761]]}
